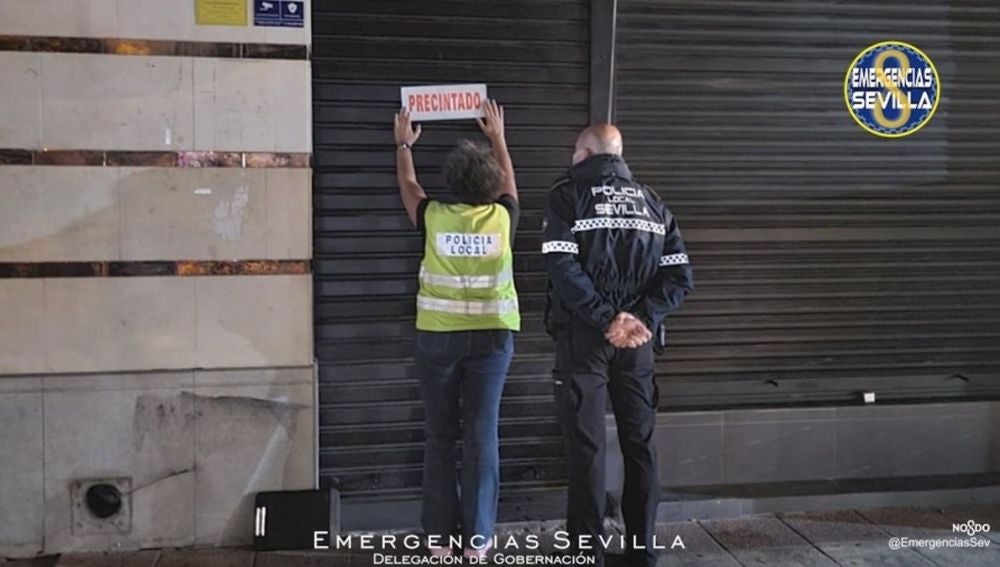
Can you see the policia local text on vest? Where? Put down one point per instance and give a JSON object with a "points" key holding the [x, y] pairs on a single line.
{"points": [[467, 275]]}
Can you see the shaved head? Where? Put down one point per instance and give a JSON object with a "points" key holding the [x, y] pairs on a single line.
{"points": [[598, 139]]}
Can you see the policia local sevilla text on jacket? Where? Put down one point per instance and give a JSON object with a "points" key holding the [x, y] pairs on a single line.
{"points": [[610, 246]]}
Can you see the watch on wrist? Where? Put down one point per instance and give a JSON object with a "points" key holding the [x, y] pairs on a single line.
{"points": [[403, 146]]}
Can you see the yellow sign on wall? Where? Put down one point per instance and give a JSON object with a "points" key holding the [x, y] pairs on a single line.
{"points": [[221, 12]]}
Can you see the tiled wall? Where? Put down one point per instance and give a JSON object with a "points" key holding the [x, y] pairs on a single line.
{"points": [[199, 389], [66, 214], [64, 101], [69, 325]]}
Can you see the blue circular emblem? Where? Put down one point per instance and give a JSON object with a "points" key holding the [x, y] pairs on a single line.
{"points": [[892, 89]]}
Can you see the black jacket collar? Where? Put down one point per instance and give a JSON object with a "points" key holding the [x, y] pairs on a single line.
{"points": [[601, 166]]}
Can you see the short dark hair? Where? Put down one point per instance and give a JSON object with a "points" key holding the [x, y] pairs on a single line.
{"points": [[472, 174]]}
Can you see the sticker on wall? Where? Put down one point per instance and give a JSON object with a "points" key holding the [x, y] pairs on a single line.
{"points": [[279, 13], [444, 102], [892, 89], [220, 12]]}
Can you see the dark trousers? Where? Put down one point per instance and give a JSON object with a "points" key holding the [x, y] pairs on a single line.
{"points": [[462, 375], [589, 370]]}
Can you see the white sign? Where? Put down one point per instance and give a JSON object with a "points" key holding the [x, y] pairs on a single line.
{"points": [[444, 102]]}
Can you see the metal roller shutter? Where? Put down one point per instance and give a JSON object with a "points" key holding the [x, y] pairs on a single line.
{"points": [[828, 261], [534, 56]]}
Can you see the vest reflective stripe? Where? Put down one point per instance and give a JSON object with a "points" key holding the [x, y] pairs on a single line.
{"points": [[465, 282], [500, 307]]}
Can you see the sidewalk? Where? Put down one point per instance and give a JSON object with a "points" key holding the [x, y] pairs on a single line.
{"points": [[851, 537]]}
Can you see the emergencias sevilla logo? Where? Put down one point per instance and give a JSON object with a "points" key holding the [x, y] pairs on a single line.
{"points": [[892, 89]]}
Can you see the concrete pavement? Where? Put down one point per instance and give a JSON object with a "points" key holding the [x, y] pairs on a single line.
{"points": [[922, 537]]}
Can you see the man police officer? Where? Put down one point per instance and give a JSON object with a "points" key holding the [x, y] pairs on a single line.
{"points": [[617, 266]]}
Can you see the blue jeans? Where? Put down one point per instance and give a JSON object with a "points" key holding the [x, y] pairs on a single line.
{"points": [[470, 366]]}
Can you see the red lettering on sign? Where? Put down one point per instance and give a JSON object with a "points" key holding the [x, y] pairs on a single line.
{"points": [[444, 101]]}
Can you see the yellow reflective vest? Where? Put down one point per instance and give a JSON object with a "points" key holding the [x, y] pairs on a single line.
{"points": [[467, 274]]}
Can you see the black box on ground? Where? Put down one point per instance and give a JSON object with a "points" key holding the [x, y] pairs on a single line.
{"points": [[290, 519]]}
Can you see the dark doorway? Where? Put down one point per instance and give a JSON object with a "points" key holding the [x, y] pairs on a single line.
{"points": [[535, 57]]}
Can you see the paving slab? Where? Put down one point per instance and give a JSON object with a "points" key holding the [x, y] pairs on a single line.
{"points": [[873, 553], [910, 522], [765, 540], [145, 558], [784, 557], [692, 535], [753, 533], [696, 546], [311, 559], [834, 526], [697, 559], [699, 549], [206, 558]]}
